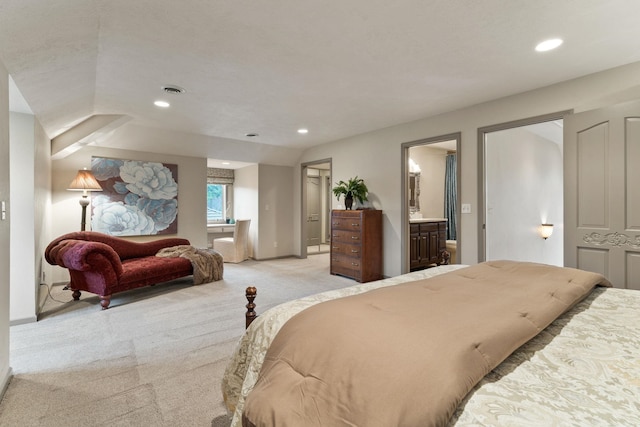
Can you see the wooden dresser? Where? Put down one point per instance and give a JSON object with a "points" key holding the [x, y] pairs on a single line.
{"points": [[356, 244], [428, 241]]}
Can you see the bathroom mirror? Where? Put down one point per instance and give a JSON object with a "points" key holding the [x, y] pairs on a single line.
{"points": [[414, 192]]}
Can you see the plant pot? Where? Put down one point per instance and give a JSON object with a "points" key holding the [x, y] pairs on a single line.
{"points": [[348, 202]]}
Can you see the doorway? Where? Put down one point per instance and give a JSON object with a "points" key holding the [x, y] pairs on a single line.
{"points": [[521, 188], [316, 207], [431, 190]]}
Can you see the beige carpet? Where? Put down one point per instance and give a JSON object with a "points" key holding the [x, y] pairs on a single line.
{"points": [[155, 358]]}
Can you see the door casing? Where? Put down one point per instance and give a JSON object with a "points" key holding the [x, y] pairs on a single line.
{"points": [[482, 135], [303, 201], [404, 190]]}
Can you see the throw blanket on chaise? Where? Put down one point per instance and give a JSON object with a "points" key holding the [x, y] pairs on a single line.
{"points": [[207, 264], [407, 355]]}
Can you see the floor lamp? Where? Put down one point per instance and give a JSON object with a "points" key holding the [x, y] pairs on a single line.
{"points": [[85, 182]]}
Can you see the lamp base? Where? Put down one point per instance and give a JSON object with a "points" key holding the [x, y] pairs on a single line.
{"points": [[84, 202]]}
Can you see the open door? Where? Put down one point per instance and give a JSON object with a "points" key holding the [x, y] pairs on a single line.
{"points": [[602, 198], [315, 206]]}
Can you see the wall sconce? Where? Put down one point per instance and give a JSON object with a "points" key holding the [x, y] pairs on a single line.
{"points": [[546, 230], [413, 166], [85, 182]]}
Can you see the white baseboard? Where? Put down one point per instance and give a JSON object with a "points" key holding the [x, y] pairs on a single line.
{"points": [[5, 382], [30, 319]]}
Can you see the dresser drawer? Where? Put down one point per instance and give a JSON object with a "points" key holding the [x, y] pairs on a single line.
{"points": [[345, 223], [346, 266], [346, 262], [345, 236], [428, 226], [347, 272], [338, 247]]}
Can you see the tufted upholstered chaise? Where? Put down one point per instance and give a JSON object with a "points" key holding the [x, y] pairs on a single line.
{"points": [[103, 264]]}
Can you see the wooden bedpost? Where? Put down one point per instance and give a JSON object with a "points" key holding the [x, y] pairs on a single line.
{"points": [[251, 307]]}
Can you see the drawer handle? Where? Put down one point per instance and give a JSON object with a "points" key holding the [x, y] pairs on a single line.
{"points": [[355, 224], [354, 251], [355, 264], [355, 237], [335, 247]]}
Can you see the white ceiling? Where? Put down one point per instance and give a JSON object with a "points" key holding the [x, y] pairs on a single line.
{"points": [[338, 68]]}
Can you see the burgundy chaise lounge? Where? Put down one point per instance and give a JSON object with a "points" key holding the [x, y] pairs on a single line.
{"points": [[103, 264]]}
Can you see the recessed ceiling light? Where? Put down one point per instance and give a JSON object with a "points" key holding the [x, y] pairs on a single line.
{"points": [[161, 104], [303, 130], [226, 163], [548, 45], [251, 134]]}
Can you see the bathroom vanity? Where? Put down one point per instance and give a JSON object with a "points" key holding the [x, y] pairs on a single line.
{"points": [[427, 242]]}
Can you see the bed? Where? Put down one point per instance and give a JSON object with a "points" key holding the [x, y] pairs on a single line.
{"points": [[581, 369]]}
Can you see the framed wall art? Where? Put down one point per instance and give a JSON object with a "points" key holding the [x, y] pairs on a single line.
{"points": [[139, 198]]}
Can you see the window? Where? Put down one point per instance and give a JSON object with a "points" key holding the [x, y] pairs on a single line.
{"points": [[216, 203], [219, 195]]}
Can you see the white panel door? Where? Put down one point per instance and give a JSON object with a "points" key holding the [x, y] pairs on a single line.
{"points": [[602, 192]]}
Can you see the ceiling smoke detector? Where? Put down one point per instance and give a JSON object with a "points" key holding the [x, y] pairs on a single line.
{"points": [[173, 89]]}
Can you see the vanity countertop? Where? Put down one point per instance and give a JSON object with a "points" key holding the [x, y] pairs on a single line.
{"points": [[419, 220]]}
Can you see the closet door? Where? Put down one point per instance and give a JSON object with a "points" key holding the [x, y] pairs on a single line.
{"points": [[602, 192]]}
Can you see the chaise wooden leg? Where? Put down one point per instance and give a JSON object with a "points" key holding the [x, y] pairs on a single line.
{"points": [[76, 294], [105, 300]]}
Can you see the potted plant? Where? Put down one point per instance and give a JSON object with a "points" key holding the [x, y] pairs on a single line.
{"points": [[355, 188]]}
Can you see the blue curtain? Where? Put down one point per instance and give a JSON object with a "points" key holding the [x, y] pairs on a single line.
{"points": [[450, 195]]}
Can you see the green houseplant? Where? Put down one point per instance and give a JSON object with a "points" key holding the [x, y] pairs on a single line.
{"points": [[355, 188]]}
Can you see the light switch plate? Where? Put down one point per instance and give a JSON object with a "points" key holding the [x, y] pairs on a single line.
{"points": [[466, 208]]}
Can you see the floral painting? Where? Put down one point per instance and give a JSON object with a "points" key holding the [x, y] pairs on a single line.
{"points": [[138, 198]]}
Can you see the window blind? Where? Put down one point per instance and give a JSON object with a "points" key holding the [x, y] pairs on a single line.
{"points": [[219, 176]]}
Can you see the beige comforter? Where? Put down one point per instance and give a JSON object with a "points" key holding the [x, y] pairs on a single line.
{"points": [[407, 355]]}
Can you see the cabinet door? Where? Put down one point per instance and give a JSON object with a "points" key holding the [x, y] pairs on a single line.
{"points": [[433, 247], [423, 249], [414, 250]]}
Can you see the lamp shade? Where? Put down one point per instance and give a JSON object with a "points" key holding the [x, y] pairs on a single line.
{"points": [[546, 230], [85, 181]]}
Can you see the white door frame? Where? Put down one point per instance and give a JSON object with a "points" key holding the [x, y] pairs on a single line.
{"points": [[303, 200], [482, 136]]}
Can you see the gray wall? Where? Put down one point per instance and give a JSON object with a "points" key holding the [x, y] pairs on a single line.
{"points": [[524, 189], [275, 238], [30, 196], [42, 210], [246, 202], [376, 156], [263, 193], [5, 370], [23, 268], [433, 164]]}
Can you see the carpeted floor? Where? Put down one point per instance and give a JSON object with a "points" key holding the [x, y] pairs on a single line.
{"points": [[155, 358]]}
